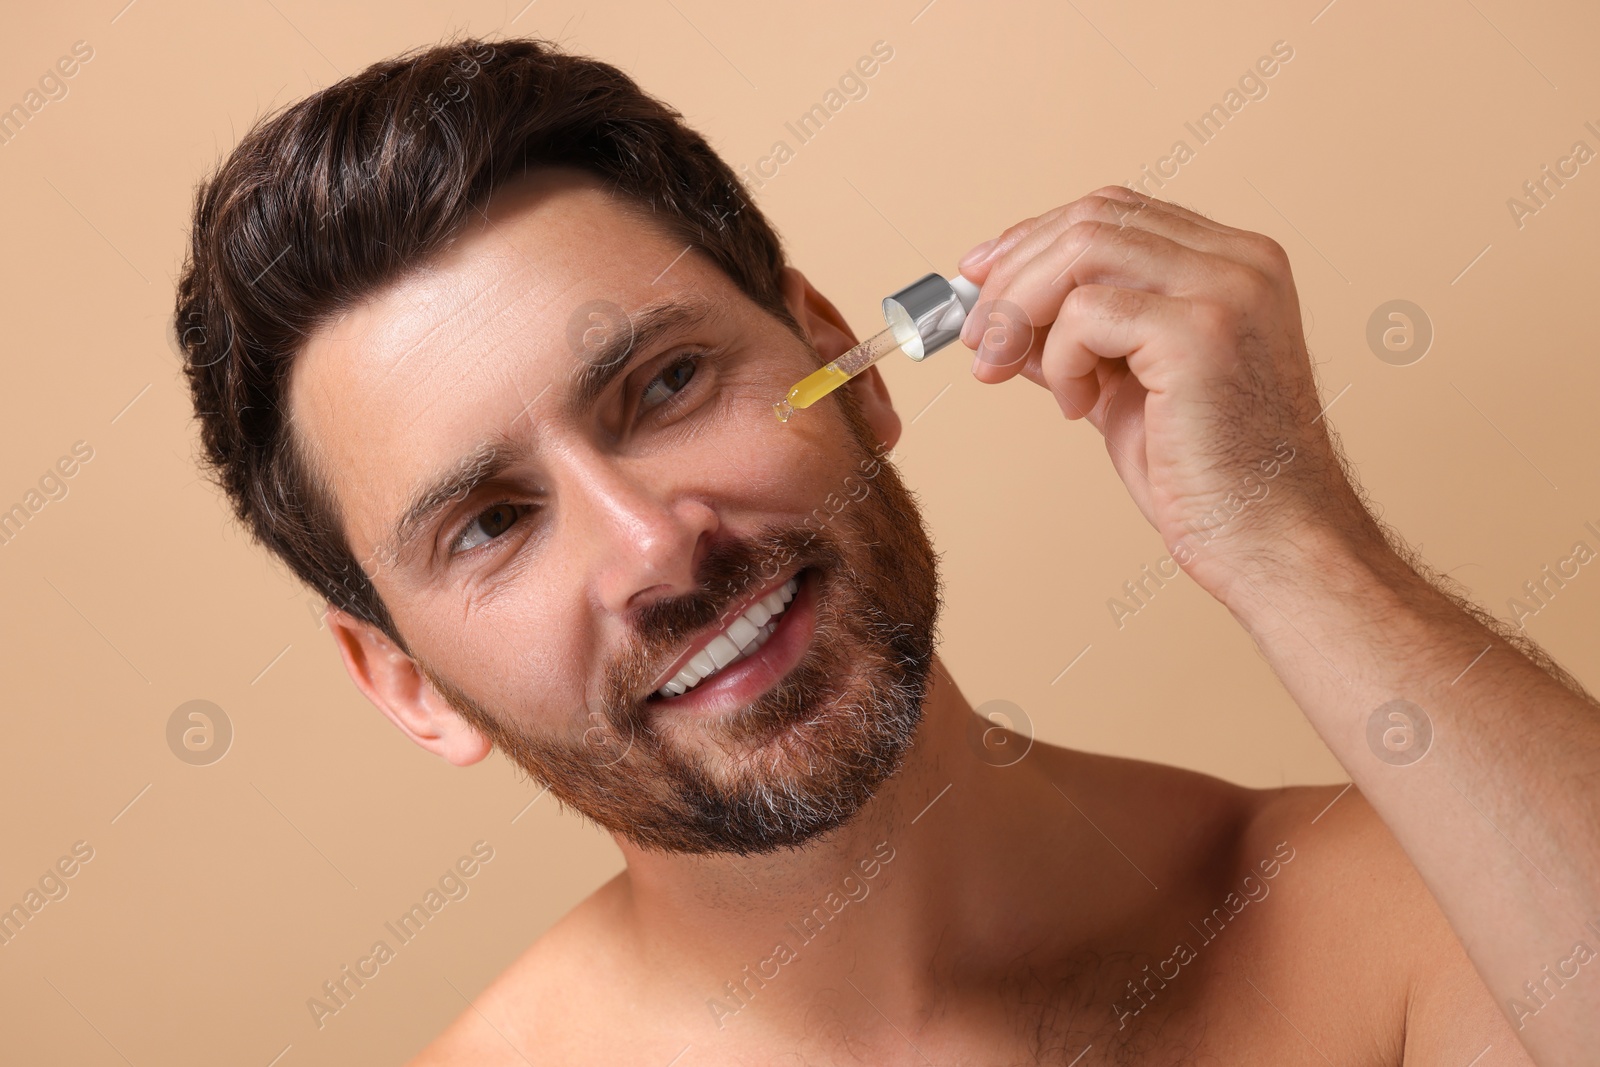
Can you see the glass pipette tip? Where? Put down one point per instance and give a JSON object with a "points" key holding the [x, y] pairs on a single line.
{"points": [[819, 383]]}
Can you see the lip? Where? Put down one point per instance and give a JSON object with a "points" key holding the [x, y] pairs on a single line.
{"points": [[744, 680]]}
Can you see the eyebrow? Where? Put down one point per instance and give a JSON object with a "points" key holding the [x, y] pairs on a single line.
{"points": [[647, 327]]}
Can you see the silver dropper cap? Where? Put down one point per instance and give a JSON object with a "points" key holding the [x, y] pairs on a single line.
{"points": [[927, 314]]}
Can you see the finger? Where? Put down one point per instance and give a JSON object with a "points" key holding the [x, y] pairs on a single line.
{"points": [[1076, 397], [1008, 343], [1140, 204], [1098, 389], [1104, 203], [1141, 328], [1092, 253], [1011, 255], [1117, 412], [1135, 196], [1001, 271], [1068, 364], [977, 268], [1095, 328], [1120, 420], [1102, 327], [1245, 246]]}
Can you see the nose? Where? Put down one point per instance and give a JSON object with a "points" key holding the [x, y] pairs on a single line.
{"points": [[645, 534]]}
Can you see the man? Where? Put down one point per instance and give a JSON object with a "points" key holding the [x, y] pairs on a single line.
{"points": [[484, 344]]}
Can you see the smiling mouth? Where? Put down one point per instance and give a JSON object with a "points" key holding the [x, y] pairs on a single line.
{"points": [[740, 639]]}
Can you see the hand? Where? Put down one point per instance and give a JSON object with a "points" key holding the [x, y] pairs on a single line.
{"points": [[1180, 340]]}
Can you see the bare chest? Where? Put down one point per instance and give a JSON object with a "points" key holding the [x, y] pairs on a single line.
{"points": [[1198, 1003]]}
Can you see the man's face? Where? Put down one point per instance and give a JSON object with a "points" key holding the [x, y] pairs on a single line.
{"points": [[561, 525]]}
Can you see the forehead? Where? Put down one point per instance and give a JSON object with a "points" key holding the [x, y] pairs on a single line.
{"points": [[419, 373]]}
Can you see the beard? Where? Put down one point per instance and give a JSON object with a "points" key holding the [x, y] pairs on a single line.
{"points": [[811, 751]]}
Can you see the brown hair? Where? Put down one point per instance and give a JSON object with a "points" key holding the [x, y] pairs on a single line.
{"points": [[334, 197]]}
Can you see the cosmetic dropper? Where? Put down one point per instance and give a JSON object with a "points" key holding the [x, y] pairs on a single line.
{"points": [[923, 317]]}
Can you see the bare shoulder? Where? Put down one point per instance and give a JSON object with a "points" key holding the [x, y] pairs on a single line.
{"points": [[1349, 921], [1183, 826], [1134, 790], [1369, 922], [533, 1012]]}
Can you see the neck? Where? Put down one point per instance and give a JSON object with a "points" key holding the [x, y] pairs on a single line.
{"points": [[946, 834]]}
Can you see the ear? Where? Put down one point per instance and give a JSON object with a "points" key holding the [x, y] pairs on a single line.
{"points": [[832, 337], [394, 683]]}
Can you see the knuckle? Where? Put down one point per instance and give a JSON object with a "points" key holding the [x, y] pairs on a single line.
{"points": [[1215, 321], [1272, 252], [1083, 300], [1005, 265], [1017, 229], [1242, 285], [1097, 207], [1119, 193], [1083, 233], [1120, 305], [1257, 286], [1088, 207], [1052, 215]]}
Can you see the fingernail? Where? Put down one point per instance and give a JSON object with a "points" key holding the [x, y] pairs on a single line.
{"points": [[977, 252]]}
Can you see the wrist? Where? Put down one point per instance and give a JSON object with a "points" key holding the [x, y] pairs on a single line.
{"points": [[1315, 563]]}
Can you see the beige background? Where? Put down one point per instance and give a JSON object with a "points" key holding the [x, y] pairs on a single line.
{"points": [[221, 897]]}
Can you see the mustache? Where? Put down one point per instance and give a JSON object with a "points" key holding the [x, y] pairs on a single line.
{"points": [[730, 570]]}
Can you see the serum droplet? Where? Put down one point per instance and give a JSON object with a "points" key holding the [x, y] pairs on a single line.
{"points": [[819, 383]]}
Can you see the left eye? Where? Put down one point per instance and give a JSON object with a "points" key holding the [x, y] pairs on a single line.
{"points": [[668, 383], [487, 525]]}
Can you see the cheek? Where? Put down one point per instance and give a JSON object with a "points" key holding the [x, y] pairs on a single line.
{"points": [[523, 653], [786, 469]]}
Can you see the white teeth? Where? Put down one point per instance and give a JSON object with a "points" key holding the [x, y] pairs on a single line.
{"points": [[702, 665], [742, 632], [760, 639], [723, 650], [742, 638]]}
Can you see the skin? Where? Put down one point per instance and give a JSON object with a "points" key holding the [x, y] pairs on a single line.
{"points": [[1009, 907]]}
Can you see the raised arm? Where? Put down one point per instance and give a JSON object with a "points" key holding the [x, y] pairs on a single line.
{"points": [[1180, 340]]}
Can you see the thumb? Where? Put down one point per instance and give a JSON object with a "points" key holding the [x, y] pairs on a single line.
{"points": [[1119, 416]]}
